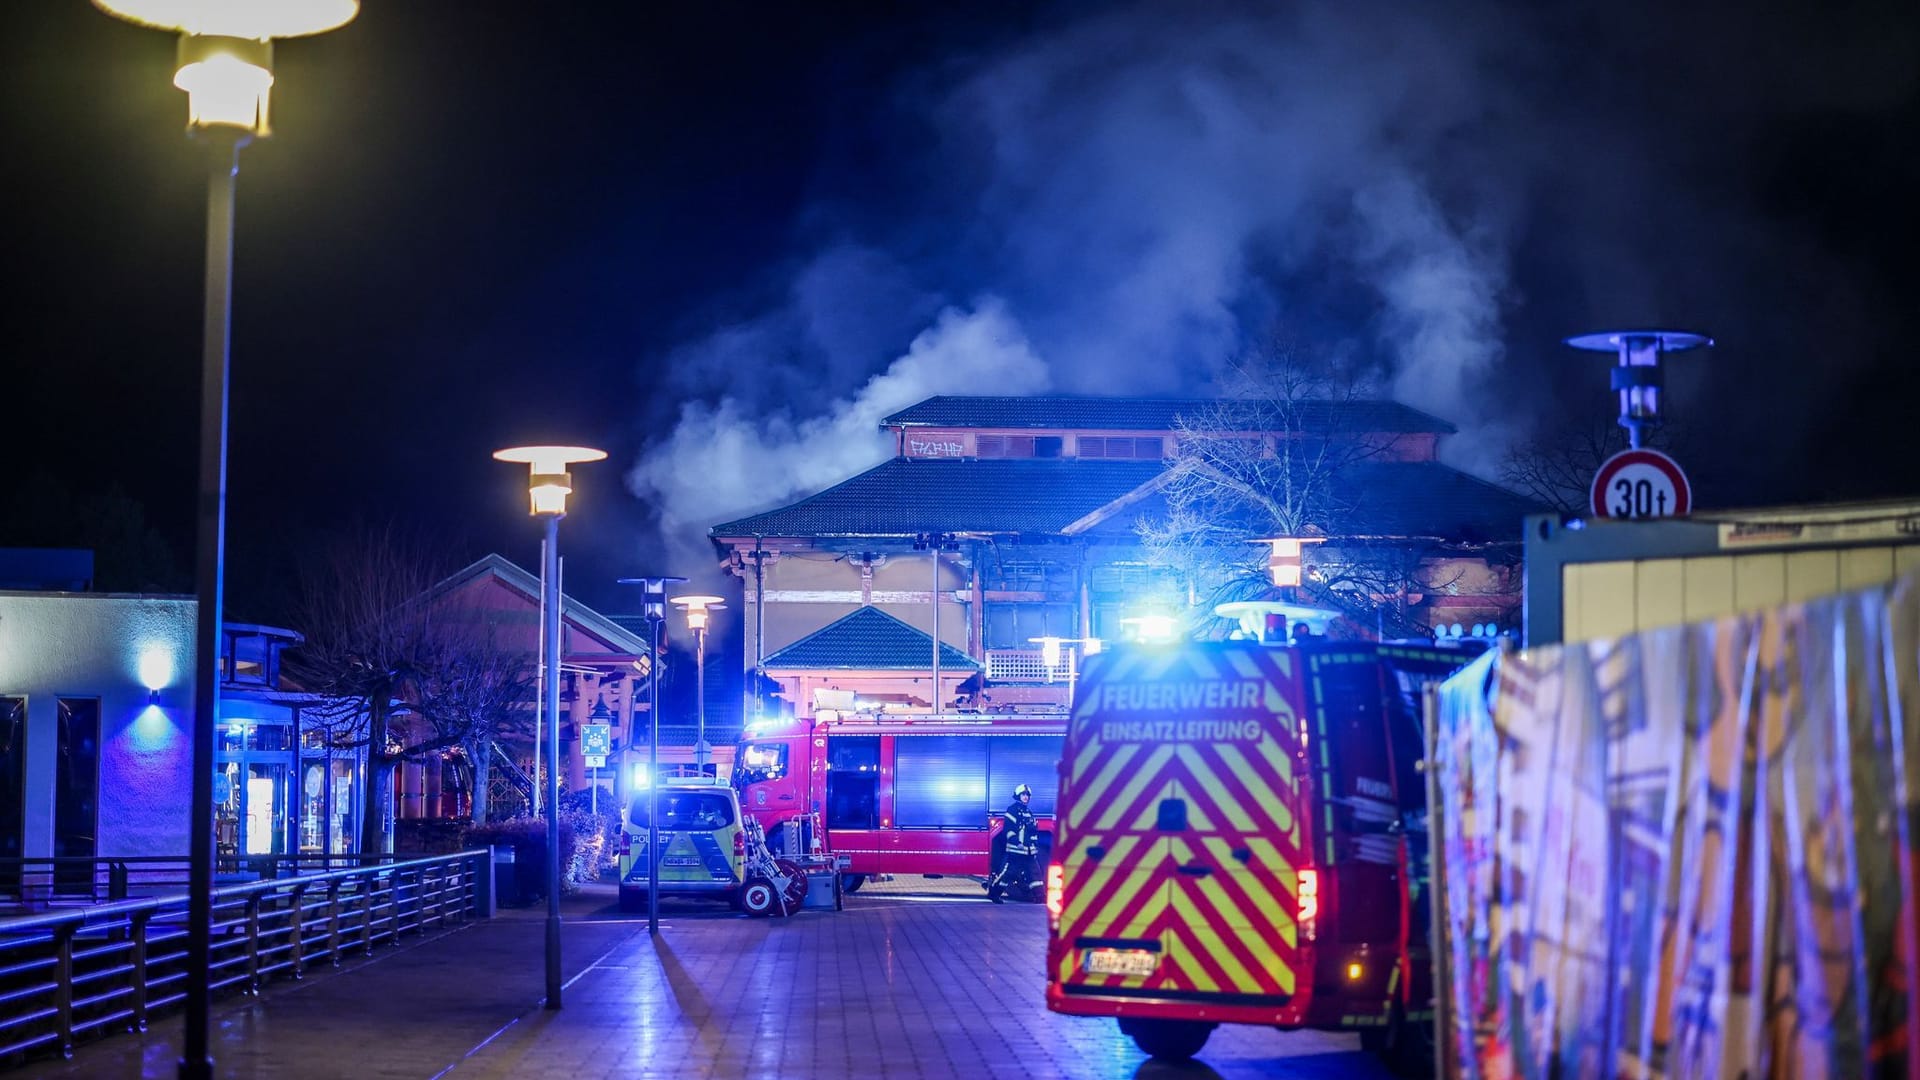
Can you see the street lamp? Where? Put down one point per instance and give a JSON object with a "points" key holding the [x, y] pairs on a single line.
{"points": [[653, 591], [226, 68], [698, 610], [1637, 378], [548, 485]]}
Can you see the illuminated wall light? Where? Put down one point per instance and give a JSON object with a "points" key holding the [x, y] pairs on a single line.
{"points": [[156, 669], [1354, 971]]}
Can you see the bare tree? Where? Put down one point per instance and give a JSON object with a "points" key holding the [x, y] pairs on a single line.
{"points": [[1268, 459], [1556, 465], [491, 695], [401, 675]]}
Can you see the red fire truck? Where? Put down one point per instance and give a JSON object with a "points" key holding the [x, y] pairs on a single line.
{"points": [[898, 794], [1242, 839]]}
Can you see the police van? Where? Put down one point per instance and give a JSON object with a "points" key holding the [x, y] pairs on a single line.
{"points": [[703, 845], [1241, 838]]}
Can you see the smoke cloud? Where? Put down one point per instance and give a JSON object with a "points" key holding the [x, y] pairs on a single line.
{"points": [[1147, 193], [1142, 196], [739, 455]]}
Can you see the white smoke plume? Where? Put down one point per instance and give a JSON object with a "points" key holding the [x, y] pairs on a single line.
{"points": [[726, 460], [1146, 191]]}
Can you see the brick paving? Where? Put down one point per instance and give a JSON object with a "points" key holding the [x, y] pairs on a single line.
{"points": [[920, 979]]}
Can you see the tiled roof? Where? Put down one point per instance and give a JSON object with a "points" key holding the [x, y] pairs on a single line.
{"points": [[1154, 414], [1401, 499], [867, 640], [905, 496]]}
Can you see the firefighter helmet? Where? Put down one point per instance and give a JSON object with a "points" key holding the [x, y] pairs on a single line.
{"points": [[1022, 791]]}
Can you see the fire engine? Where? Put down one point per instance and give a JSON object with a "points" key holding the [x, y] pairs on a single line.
{"points": [[1241, 838], [897, 794]]}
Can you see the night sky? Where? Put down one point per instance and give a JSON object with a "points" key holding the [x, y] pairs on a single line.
{"points": [[693, 233]]}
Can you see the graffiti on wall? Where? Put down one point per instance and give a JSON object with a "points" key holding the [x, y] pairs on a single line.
{"points": [[935, 448], [1690, 852]]}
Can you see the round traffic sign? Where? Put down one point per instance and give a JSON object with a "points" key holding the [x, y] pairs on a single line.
{"points": [[1640, 484]]}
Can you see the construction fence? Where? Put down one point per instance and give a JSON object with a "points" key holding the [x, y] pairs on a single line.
{"points": [[1689, 852]]}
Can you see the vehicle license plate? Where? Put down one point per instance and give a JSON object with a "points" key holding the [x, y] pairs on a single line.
{"points": [[1119, 961]]}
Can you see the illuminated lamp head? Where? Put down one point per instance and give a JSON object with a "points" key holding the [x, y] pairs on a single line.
{"points": [[549, 482], [1637, 377], [226, 50], [699, 609], [1285, 558]]}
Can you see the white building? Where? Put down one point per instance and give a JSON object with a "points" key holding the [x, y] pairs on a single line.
{"points": [[96, 715]]}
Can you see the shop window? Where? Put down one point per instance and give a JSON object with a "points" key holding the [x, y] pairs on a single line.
{"points": [[76, 792]]}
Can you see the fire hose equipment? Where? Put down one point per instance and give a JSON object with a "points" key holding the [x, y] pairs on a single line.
{"points": [[773, 886]]}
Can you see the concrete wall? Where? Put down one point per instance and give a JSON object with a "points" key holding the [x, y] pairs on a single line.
{"points": [[110, 647]]}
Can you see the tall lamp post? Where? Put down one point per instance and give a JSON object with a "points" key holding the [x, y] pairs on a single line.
{"points": [[654, 597], [226, 68], [699, 611], [548, 486]]}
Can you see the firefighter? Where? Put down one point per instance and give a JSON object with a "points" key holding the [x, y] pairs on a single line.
{"points": [[1019, 839]]}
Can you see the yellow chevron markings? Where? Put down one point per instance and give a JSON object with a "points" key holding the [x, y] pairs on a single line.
{"points": [[1271, 909], [1220, 794], [1277, 758], [1147, 773], [1192, 975], [1199, 935], [1097, 877], [1272, 804], [1197, 817], [1245, 665], [1084, 799]]}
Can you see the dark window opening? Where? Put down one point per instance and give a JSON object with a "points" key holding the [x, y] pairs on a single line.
{"points": [[76, 793], [853, 782], [1014, 626], [685, 811], [13, 786]]}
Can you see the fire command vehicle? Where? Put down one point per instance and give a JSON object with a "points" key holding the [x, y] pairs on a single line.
{"points": [[1240, 837], [898, 794]]}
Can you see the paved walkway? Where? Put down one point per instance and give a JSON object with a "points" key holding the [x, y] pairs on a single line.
{"points": [[916, 980]]}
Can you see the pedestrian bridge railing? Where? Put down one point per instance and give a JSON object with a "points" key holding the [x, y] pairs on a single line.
{"points": [[29, 885], [81, 972]]}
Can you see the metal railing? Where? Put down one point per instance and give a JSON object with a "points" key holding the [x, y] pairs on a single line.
{"points": [[1030, 665], [68, 975], [38, 884]]}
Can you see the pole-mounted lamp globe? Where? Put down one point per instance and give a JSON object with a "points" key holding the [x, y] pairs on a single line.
{"points": [[226, 50], [549, 483]]}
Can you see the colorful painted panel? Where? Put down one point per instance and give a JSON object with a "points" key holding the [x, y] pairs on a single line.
{"points": [[1688, 852]]}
